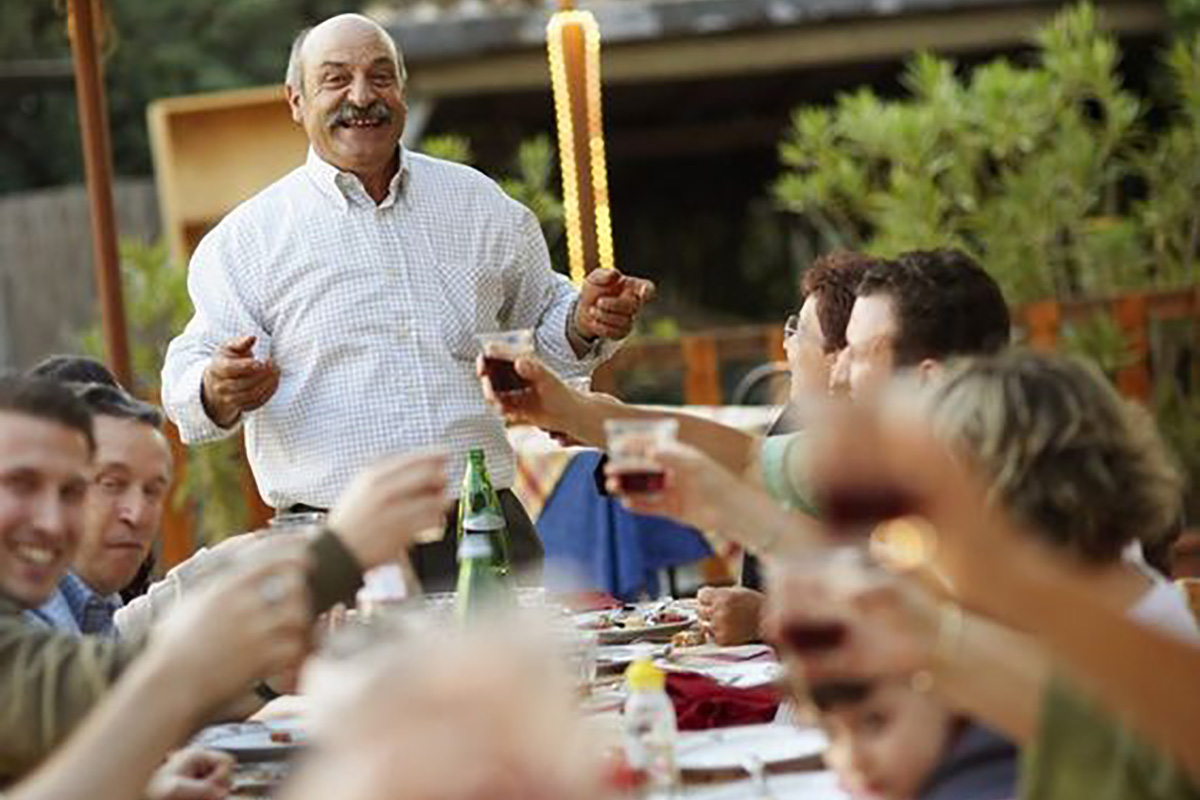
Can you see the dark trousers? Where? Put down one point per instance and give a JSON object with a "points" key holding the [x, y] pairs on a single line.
{"points": [[436, 563]]}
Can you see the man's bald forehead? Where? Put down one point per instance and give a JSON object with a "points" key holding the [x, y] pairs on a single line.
{"points": [[334, 32], [345, 27]]}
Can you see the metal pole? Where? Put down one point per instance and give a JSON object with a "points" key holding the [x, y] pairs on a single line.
{"points": [[97, 160]]}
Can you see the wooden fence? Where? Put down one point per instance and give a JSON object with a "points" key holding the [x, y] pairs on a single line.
{"points": [[47, 290]]}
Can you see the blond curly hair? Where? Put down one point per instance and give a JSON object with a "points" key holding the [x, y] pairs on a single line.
{"points": [[1067, 455]]}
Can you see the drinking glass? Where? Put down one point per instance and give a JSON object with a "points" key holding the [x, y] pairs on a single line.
{"points": [[303, 523], [500, 351], [631, 445]]}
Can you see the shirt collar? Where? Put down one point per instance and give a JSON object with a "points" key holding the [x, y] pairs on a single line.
{"points": [[80, 596], [346, 189]]}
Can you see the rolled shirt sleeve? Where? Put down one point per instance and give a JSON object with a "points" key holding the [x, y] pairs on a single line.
{"points": [[545, 300], [783, 461], [225, 308]]}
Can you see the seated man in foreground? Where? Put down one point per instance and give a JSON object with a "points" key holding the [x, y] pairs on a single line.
{"points": [[50, 681]]}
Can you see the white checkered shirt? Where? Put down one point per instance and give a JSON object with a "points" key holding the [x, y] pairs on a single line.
{"points": [[370, 311]]}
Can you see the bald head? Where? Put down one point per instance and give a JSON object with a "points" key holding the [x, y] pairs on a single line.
{"points": [[338, 33]]}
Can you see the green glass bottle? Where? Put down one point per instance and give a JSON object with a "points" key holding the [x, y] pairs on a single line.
{"points": [[480, 590], [479, 510]]}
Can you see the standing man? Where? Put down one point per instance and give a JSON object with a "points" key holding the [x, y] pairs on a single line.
{"points": [[336, 311]]}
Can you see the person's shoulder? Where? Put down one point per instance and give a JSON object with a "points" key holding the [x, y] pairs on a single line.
{"points": [[258, 214], [267, 202], [461, 181]]}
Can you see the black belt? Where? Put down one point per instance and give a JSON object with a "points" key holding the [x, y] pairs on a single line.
{"points": [[304, 508], [300, 508]]}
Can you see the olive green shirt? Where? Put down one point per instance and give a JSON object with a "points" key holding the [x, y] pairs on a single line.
{"points": [[1081, 753], [49, 681]]}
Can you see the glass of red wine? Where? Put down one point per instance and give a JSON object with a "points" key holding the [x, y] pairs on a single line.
{"points": [[631, 445], [500, 352]]}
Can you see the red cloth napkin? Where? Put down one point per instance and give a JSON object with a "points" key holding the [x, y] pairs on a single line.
{"points": [[702, 703]]}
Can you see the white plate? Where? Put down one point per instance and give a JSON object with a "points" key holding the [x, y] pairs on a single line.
{"points": [[617, 635], [620, 655], [251, 741], [728, 748]]}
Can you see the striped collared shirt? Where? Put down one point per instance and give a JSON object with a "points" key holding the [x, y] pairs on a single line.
{"points": [[370, 311]]}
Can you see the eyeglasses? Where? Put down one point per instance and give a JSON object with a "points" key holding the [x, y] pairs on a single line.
{"points": [[792, 329], [791, 325]]}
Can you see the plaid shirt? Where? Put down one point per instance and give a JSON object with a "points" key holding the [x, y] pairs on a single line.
{"points": [[75, 608], [370, 311]]}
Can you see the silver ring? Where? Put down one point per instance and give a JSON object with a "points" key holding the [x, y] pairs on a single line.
{"points": [[273, 588]]}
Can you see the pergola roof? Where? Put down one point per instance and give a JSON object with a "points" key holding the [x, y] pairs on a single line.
{"points": [[455, 30]]}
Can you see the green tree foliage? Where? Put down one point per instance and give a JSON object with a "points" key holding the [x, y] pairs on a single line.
{"points": [[1047, 172], [152, 48]]}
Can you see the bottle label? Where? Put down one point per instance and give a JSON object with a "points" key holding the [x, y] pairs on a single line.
{"points": [[483, 520]]}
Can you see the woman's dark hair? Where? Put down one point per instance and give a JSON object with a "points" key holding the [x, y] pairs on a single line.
{"points": [[833, 279]]}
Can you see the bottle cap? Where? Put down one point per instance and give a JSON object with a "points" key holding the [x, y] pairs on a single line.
{"points": [[643, 676]]}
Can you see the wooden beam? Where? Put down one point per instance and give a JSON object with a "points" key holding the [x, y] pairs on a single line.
{"points": [[1044, 320], [764, 51], [97, 162], [701, 371], [1133, 379]]}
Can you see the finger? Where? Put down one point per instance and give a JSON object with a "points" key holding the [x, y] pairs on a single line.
{"points": [[260, 396], [224, 368], [625, 303], [604, 278], [247, 386], [611, 319], [645, 289], [239, 345], [219, 765], [196, 789], [707, 595], [609, 331]]}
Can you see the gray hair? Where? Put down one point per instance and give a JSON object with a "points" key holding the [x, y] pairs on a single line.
{"points": [[294, 77], [1066, 455]]}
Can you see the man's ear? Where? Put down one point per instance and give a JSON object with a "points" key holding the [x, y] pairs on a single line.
{"points": [[930, 370], [295, 101]]}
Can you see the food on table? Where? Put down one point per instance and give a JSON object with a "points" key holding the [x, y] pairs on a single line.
{"points": [[693, 638]]}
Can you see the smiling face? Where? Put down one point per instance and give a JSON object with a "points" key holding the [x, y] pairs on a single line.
{"points": [[350, 97], [43, 481], [889, 744], [124, 508]]}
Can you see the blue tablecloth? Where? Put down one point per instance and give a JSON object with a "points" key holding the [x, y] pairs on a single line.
{"points": [[598, 542]]}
